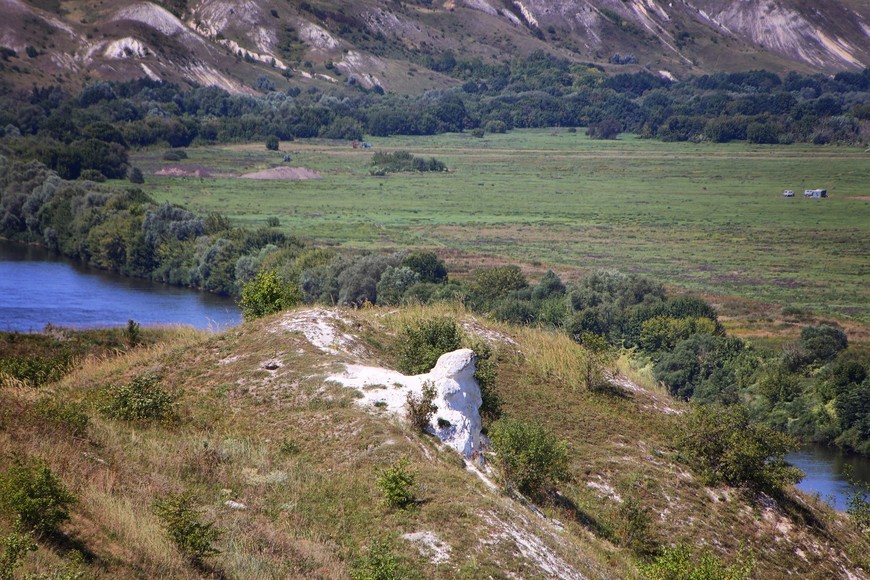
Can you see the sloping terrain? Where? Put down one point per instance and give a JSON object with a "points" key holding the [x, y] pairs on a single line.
{"points": [[232, 43], [284, 461]]}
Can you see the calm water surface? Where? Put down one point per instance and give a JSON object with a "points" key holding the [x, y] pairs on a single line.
{"points": [[39, 288], [825, 467]]}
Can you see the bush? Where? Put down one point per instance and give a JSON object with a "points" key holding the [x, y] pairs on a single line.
{"points": [[397, 484], [92, 175], [420, 409], [427, 266], [683, 563], [634, 529], [379, 563], [135, 176], [527, 457], [498, 282], [722, 445], [35, 495], [266, 294], [495, 126], [272, 143], [141, 400], [595, 362], [485, 373], [822, 343], [423, 341], [175, 155], [180, 517], [13, 549], [70, 417], [477, 132], [394, 283], [402, 161]]}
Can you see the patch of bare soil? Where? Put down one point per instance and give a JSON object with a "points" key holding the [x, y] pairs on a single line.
{"points": [[283, 173], [184, 171]]}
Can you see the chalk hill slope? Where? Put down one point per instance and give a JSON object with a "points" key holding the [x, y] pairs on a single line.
{"points": [[231, 43], [284, 459]]}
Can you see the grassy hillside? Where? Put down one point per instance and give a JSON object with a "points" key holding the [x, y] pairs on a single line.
{"points": [[256, 422], [708, 217]]}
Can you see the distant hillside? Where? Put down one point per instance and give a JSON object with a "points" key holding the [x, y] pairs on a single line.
{"points": [[400, 45]]}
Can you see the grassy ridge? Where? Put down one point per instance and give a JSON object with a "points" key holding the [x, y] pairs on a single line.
{"points": [[304, 460], [705, 217]]}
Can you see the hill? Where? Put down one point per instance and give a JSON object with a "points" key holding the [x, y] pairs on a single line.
{"points": [[283, 459], [408, 47]]}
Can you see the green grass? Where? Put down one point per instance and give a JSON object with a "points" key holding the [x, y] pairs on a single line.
{"points": [[704, 217]]}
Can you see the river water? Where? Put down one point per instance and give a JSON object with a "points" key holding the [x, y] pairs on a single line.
{"points": [[39, 288]]}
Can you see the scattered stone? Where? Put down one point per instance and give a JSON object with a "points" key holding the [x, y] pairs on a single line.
{"points": [[430, 545], [235, 505]]}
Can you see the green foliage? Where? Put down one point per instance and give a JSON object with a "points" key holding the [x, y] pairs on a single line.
{"points": [[402, 161], [662, 333], [133, 333], [822, 343], [394, 283], [683, 563], [777, 384], [397, 483], [35, 495], [420, 409], [70, 417], [267, 294], [420, 343], [699, 360], [181, 519], [135, 176], [272, 143], [527, 457], [35, 370], [723, 445], [635, 523], [486, 373], [378, 563], [140, 400], [597, 359], [859, 505], [427, 266], [13, 549], [497, 282]]}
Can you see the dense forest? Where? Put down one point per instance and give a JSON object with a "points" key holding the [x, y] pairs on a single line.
{"points": [[91, 132]]}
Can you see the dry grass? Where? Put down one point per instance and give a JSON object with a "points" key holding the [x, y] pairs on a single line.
{"points": [[303, 458]]}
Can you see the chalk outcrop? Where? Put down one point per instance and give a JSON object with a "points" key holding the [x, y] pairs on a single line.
{"points": [[457, 421]]}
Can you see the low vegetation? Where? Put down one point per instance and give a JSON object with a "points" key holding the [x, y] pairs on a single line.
{"points": [[397, 484], [180, 517], [402, 161], [38, 499], [527, 457]]}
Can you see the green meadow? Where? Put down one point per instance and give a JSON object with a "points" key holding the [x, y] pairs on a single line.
{"points": [[706, 217]]}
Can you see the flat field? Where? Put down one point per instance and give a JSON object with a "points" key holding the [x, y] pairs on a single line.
{"points": [[705, 217]]}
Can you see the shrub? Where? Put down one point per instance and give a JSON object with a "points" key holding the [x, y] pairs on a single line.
{"points": [[394, 283], [180, 517], [68, 416], [141, 400], [595, 362], [634, 529], [266, 294], [175, 155], [35, 495], [35, 371], [822, 343], [402, 161], [135, 176], [379, 563], [722, 445], [420, 409], [92, 175], [528, 458], [272, 143], [681, 562], [485, 373], [477, 132], [397, 484], [495, 126], [422, 342], [133, 333], [13, 549], [497, 282], [427, 266]]}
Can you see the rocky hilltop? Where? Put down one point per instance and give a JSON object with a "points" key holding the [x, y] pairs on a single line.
{"points": [[398, 45]]}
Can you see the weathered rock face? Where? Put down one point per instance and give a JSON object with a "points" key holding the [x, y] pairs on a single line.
{"points": [[457, 421]]}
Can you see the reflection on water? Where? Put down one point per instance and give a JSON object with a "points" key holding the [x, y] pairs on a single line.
{"points": [[39, 288], [825, 467]]}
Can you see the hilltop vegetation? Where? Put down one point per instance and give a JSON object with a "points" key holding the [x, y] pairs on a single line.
{"points": [[263, 451]]}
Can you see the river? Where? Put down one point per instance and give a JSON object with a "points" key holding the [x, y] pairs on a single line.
{"points": [[825, 468], [39, 288]]}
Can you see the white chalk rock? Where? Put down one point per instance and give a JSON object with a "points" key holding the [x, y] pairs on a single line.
{"points": [[457, 421]]}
